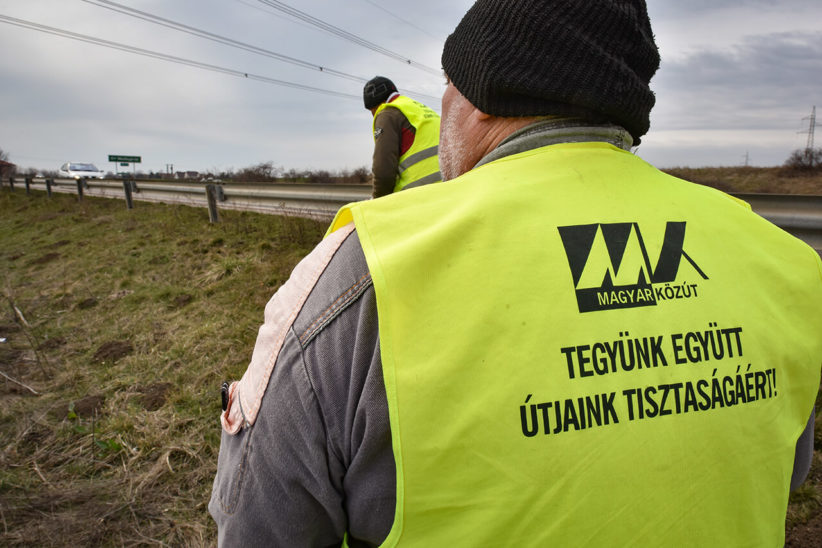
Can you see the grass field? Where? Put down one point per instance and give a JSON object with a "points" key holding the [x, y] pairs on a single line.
{"points": [[776, 180], [125, 323], [117, 328]]}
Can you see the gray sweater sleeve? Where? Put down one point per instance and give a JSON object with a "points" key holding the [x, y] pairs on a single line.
{"points": [[803, 455], [273, 486], [317, 461]]}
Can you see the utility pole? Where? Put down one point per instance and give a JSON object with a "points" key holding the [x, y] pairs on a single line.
{"points": [[812, 124], [747, 158], [810, 131]]}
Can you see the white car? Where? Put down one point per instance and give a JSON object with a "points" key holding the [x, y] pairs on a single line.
{"points": [[78, 170]]}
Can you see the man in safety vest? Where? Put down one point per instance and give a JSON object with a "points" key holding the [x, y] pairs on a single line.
{"points": [[406, 135], [558, 346]]}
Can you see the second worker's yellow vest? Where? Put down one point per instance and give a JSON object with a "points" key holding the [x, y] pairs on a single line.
{"points": [[420, 163], [579, 350]]}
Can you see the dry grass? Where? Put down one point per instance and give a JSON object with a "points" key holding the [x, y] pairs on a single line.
{"points": [[771, 180], [125, 323]]}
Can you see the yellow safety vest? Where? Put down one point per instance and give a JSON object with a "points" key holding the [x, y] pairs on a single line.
{"points": [[420, 163], [580, 350]]}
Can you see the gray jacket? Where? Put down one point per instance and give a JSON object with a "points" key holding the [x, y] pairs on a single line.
{"points": [[306, 448]]}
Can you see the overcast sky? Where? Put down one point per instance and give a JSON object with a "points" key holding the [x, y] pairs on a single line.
{"points": [[737, 79]]}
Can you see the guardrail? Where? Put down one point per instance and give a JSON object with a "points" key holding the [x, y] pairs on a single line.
{"points": [[801, 215], [319, 201]]}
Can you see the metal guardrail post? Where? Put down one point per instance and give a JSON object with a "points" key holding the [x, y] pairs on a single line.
{"points": [[28, 186], [49, 182], [127, 190], [80, 183], [211, 196]]}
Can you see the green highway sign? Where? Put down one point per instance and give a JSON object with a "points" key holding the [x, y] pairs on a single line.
{"points": [[130, 159]]}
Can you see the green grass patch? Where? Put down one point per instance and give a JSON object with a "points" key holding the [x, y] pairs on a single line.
{"points": [[125, 323]]}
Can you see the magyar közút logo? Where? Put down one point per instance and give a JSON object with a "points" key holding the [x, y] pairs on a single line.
{"points": [[611, 266]]}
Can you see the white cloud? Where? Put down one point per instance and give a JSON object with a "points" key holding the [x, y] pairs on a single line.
{"points": [[735, 67]]}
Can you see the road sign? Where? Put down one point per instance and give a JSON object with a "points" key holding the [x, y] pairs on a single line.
{"points": [[130, 159]]}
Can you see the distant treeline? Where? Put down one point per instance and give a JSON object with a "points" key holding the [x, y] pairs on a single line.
{"points": [[801, 163], [265, 172]]}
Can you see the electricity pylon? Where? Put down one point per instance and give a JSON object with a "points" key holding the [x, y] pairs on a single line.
{"points": [[811, 126]]}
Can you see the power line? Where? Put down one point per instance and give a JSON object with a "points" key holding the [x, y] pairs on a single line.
{"points": [[328, 27], [403, 20], [114, 6], [165, 57], [174, 25], [253, 4]]}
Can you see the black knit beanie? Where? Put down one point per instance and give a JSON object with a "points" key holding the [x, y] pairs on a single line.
{"points": [[377, 90], [587, 58]]}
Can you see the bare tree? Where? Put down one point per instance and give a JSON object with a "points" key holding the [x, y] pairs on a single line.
{"points": [[264, 171], [807, 159]]}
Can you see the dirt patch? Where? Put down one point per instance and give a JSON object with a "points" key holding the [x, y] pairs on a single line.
{"points": [[181, 300], [807, 535], [153, 396], [33, 439], [85, 304], [9, 356], [46, 217], [9, 328], [61, 243], [63, 301], [83, 408], [120, 294], [89, 405], [53, 343], [112, 351], [47, 258]]}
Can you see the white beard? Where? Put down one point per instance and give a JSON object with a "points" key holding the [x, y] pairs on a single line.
{"points": [[453, 146]]}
